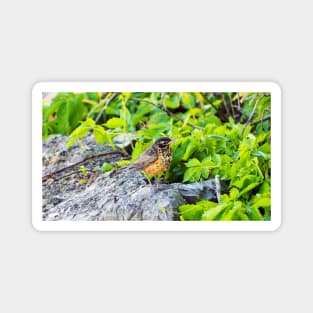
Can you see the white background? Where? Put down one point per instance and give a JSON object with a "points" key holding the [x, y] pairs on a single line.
{"points": [[155, 272]]}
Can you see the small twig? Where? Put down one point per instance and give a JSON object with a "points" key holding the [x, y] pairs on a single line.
{"points": [[238, 102], [152, 103], [266, 109], [225, 105], [44, 178], [165, 110], [101, 102], [218, 188], [67, 175], [114, 95], [163, 94], [213, 106], [104, 94], [263, 119], [253, 110], [242, 100], [231, 105]]}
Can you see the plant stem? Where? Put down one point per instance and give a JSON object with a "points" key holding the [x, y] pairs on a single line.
{"points": [[44, 178], [114, 95]]}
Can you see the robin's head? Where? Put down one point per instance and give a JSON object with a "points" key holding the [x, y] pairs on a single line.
{"points": [[163, 143]]}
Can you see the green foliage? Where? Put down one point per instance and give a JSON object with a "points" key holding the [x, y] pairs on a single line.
{"points": [[198, 169], [83, 170], [65, 112], [106, 167], [216, 134]]}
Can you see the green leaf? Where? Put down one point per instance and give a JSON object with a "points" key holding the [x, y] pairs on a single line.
{"points": [[112, 110], [115, 122], [100, 134], [191, 148], [205, 172], [178, 154], [213, 213], [265, 187], [142, 110], [70, 111], [139, 148], [93, 96], [263, 202], [243, 216], [213, 120], [247, 131], [232, 212], [225, 159], [158, 118], [266, 148], [188, 100], [246, 181], [127, 117], [172, 101], [197, 169], [80, 131], [249, 187], [123, 163], [83, 170], [192, 174], [234, 194], [208, 163], [223, 138], [193, 144], [261, 155], [192, 212], [106, 167], [193, 162], [45, 130], [254, 214], [261, 137], [194, 111]]}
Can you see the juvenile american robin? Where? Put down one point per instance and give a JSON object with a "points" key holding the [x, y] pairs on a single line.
{"points": [[155, 160]]}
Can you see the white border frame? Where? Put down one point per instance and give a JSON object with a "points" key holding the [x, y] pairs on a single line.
{"points": [[276, 140]]}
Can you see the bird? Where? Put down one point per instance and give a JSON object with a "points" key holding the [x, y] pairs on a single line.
{"points": [[155, 160]]}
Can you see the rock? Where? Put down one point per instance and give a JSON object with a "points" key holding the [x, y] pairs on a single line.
{"points": [[124, 140], [115, 195]]}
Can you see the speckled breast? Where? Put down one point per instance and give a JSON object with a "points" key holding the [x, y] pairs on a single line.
{"points": [[161, 164]]}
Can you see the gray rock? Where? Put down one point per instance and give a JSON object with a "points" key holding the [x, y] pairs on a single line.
{"points": [[115, 195], [124, 140]]}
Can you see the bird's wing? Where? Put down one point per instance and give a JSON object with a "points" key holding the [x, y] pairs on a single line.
{"points": [[146, 158]]}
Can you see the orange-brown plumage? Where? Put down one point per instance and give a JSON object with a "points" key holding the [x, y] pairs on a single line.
{"points": [[156, 159]]}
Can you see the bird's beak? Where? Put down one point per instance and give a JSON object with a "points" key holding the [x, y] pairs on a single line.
{"points": [[172, 140]]}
